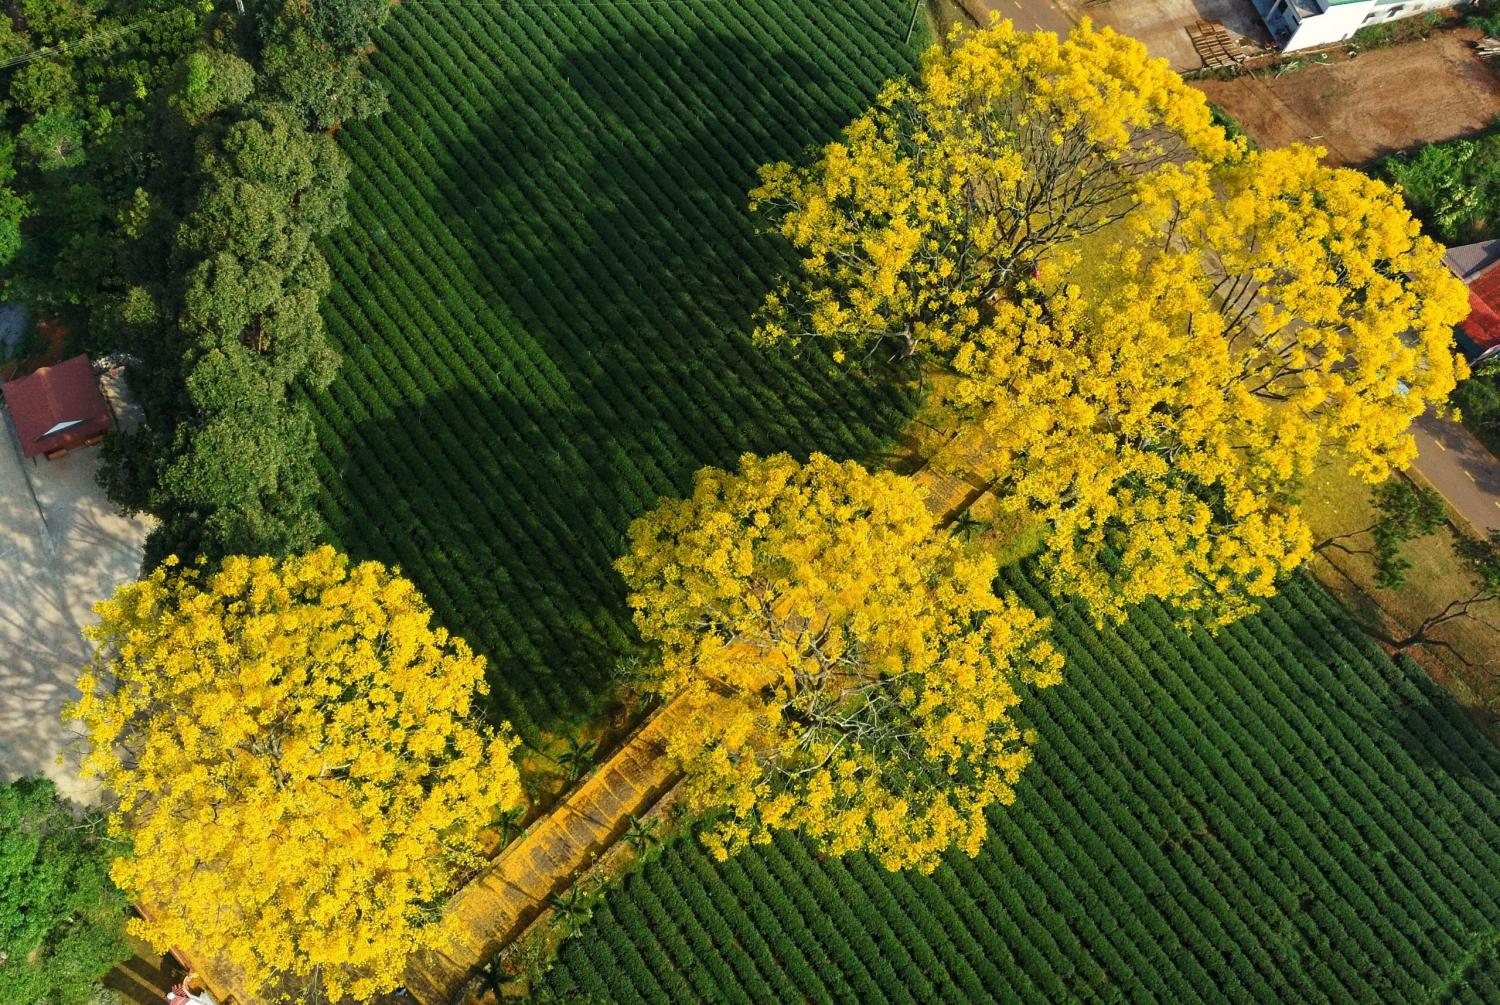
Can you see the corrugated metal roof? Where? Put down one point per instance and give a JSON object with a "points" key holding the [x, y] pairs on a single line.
{"points": [[1469, 260]]}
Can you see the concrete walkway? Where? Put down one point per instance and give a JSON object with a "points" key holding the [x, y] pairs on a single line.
{"points": [[64, 547], [1461, 468]]}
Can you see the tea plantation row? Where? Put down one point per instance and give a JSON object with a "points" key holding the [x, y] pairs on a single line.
{"points": [[1276, 814], [544, 296]]}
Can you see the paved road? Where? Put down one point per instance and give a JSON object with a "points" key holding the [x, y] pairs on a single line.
{"points": [[1459, 466]]}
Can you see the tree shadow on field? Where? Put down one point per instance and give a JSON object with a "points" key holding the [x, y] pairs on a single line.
{"points": [[1433, 727], [501, 534], [1422, 719], [616, 235], [595, 210]]}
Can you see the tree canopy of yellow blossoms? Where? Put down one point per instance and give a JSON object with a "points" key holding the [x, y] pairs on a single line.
{"points": [[954, 184], [298, 765], [1138, 329], [850, 671]]}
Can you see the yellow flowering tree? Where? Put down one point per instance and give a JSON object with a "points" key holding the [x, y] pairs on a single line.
{"points": [[1164, 412], [848, 671], [1136, 329], [297, 762], [953, 185]]}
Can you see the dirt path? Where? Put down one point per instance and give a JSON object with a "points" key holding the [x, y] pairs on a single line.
{"points": [[1374, 104]]}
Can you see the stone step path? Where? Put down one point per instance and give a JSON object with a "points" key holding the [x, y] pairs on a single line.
{"points": [[495, 908], [518, 883]]}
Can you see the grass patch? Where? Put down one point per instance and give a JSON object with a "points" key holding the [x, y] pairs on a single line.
{"points": [[1398, 32], [1337, 503]]}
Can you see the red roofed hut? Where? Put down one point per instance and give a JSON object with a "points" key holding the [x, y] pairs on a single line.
{"points": [[58, 408], [1478, 265], [1479, 335]]}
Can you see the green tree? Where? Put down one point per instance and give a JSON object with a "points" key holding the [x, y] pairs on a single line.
{"points": [[209, 81], [54, 140], [1407, 512], [12, 206], [225, 459], [1479, 559], [61, 920], [12, 212], [326, 87], [240, 477], [347, 24], [42, 85]]}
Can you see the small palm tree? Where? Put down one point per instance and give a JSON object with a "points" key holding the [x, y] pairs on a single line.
{"points": [[572, 907], [968, 525], [577, 758], [508, 824], [640, 834]]}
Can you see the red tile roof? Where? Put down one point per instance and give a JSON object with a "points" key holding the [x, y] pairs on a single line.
{"points": [[1482, 328], [64, 395]]}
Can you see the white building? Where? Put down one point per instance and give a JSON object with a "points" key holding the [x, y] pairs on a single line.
{"points": [[1304, 24]]}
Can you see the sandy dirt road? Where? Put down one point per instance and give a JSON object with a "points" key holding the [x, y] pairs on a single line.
{"points": [[1374, 104]]}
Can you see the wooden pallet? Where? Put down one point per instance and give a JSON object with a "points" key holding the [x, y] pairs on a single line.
{"points": [[1214, 45]]}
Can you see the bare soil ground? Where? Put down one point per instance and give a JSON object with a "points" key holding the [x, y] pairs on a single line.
{"points": [[1372, 104]]}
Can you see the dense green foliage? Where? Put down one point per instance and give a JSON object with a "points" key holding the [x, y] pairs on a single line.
{"points": [[224, 461], [61, 921], [229, 323], [1478, 401], [543, 301], [1484, 15], [1279, 813], [1452, 187], [76, 139]]}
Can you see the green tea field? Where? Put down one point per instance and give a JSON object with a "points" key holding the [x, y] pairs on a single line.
{"points": [[1276, 814], [544, 296]]}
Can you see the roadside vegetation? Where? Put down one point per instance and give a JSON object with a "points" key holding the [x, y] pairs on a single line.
{"points": [[62, 922], [1452, 187], [1400, 31]]}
